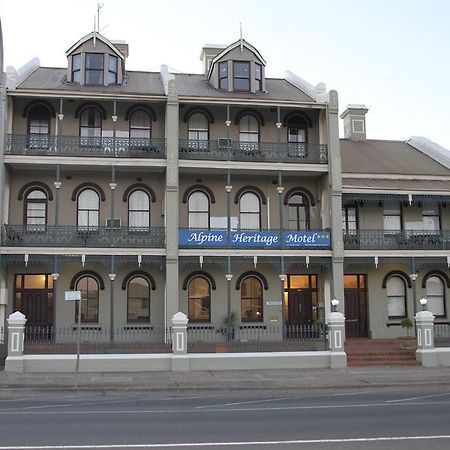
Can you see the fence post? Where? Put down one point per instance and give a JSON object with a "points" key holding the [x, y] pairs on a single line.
{"points": [[336, 336], [16, 333], [426, 353], [180, 361]]}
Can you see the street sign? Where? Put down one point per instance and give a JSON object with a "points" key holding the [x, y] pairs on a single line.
{"points": [[72, 295]]}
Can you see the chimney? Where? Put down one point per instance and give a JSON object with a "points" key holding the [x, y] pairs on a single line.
{"points": [[209, 51], [122, 46], [354, 118]]}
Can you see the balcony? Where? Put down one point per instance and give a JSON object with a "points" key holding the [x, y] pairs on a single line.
{"points": [[73, 236], [119, 147], [397, 240], [223, 150]]}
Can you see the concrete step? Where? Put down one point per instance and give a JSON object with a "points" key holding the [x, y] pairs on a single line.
{"points": [[381, 362]]}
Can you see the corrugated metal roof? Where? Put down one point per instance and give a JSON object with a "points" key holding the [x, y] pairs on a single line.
{"points": [[195, 85], [396, 185], [387, 157], [50, 78]]}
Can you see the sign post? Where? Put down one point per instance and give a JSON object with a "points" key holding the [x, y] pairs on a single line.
{"points": [[76, 296]]}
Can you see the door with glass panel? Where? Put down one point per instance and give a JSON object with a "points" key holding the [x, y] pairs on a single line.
{"points": [[355, 306]]}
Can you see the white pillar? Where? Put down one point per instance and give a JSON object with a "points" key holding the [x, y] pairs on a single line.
{"points": [[426, 353], [180, 361], [336, 337], [16, 332]]}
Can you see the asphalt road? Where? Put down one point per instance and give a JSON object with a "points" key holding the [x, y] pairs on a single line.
{"points": [[387, 419]]}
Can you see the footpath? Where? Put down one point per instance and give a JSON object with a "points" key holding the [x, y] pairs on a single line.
{"points": [[224, 381]]}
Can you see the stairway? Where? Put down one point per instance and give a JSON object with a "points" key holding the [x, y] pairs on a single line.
{"points": [[379, 352]]}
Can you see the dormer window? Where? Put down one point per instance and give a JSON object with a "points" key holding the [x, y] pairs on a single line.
{"points": [[241, 76], [112, 69], [94, 68], [258, 77], [223, 75], [76, 68]]}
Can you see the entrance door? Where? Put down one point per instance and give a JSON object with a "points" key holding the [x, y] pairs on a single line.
{"points": [[355, 306], [36, 308], [300, 308]]}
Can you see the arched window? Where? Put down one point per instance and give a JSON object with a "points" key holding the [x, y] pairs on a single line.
{"points": [[199, 300], [249, 212], [396, 297], [89, 299], [138, 300], [88, 208], [140, 125], [198, 210], [298, 212], [436, 296], [248, 129], [90, 126], [297, 135], [198, 127], [251, 300], [139, 209], [35, 208], [39, 127]]}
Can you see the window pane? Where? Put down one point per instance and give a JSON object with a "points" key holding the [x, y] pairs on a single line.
{"points": [[249, 202], [140, 119], [94, 77], [88, 199], [396, 307], [138, 300], [112, 63], [35, 281], [94, 61], [36, 194], [139, 200], [241, 69], [198, 201], [223, 84], [199, 302], [76, 62]]}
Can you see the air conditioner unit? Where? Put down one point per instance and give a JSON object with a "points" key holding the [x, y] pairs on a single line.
{"points": [[116, 224], [223, 142]]}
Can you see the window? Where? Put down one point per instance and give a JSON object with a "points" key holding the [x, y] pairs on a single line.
{"points": [[88, 209], [198, 210], [38, 127], [349, 218], [199, 300], [241, 76], [89, 299], [140, 125], [436, 296], [258, 77], [392, 219], [297, 136], [298, 212], [76, 68], [94, 68], [198, 127], [248, 132], [223, 75], [112, 69], [138, 300], [249, 212], [139, 210], [431, 218], [36, 208], [396, 297], [251, 300], [90, 125]]}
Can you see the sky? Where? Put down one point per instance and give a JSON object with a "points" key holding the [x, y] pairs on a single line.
{"points": [[391, 55]]}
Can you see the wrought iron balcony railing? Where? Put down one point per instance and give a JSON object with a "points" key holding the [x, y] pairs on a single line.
{"points": [[73, 236], [120, 147], [397, 240], [223, 150]]}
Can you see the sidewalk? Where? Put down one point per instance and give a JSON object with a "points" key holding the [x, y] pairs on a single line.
{"points": [[221, 381]]}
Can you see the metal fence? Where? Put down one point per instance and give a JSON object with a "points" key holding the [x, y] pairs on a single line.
{"points": [[128, 339], [243, 338], [3, 345], [442, 335], [118, 147], [223, 150]]}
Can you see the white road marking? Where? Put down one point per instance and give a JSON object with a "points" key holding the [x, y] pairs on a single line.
{"points": [[417, 398], [225, 410], [228, 444]]}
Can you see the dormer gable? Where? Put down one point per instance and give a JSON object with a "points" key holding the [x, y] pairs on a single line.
{"points": [[94, 60], [238, 68]]}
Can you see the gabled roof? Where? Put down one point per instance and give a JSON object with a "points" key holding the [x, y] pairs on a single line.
{"points": [[98, 36], [232, 46]]}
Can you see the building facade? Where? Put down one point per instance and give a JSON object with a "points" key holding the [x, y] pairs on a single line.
{"points": [[225, 195]]}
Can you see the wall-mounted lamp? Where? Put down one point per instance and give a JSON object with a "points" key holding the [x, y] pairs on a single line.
{"points": [[423, 301], [334, 304]]}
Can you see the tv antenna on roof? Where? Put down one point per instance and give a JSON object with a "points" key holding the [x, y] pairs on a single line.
{"points": [[242, 43], [99, 7]]}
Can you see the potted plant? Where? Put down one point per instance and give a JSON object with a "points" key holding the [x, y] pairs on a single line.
{"points": [[407, 341]]}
